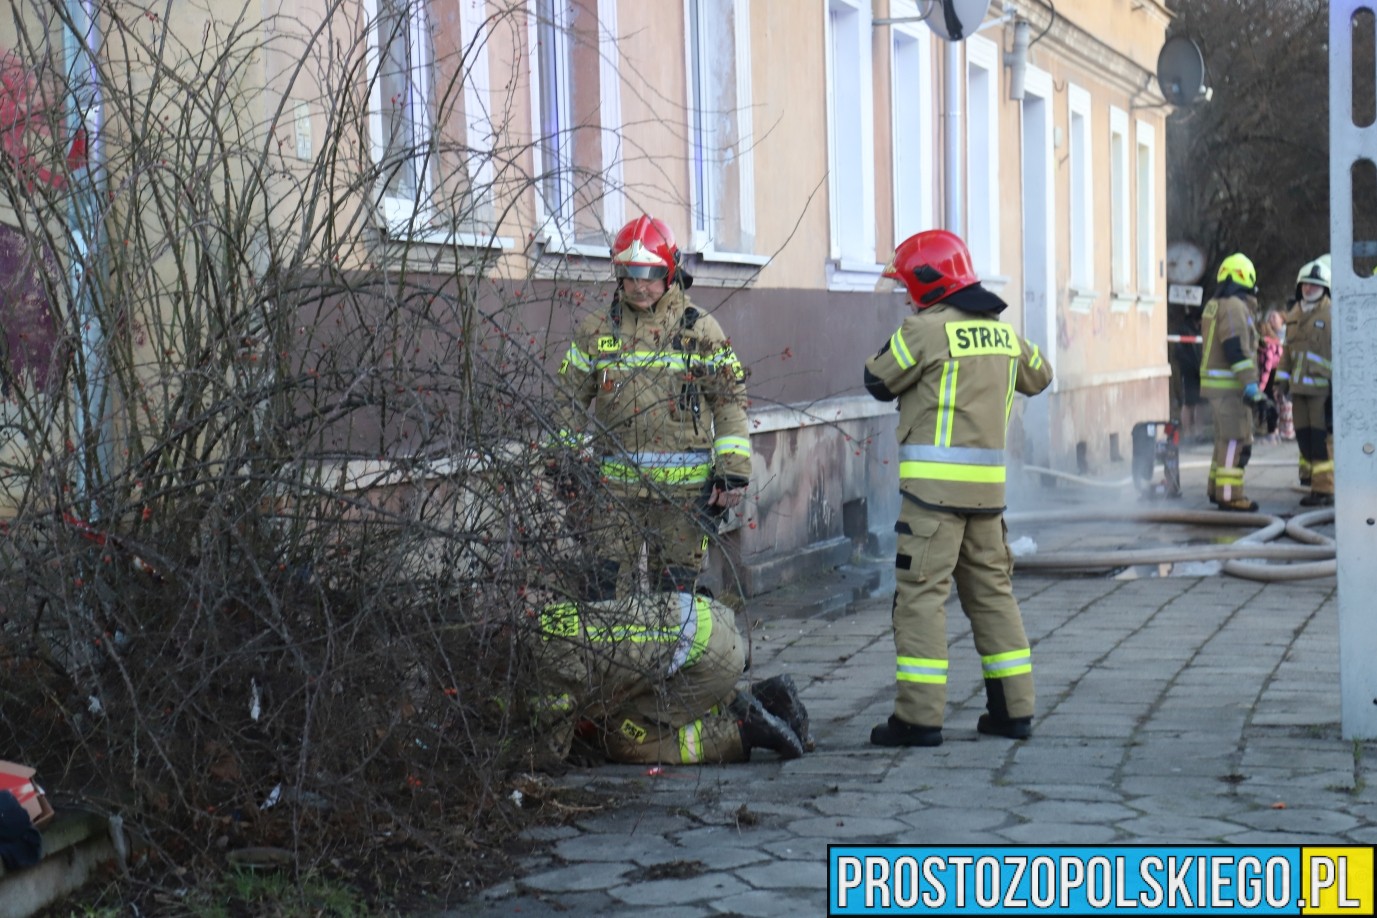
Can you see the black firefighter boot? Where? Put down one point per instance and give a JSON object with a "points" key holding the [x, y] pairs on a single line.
{"points": [[896, 732], [762, 730], [779, 696], [997, 721]]}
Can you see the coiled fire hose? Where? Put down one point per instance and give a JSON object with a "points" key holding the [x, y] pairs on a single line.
{"points": [[1247, 557]]}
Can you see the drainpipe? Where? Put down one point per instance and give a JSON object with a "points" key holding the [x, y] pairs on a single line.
{"points": [[951, 81], [81, 45]]}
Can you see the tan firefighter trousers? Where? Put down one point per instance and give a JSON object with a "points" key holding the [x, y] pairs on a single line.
{"points": [[935, 547]]}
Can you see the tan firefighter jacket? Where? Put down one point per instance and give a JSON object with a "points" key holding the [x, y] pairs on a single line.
{"points": [[668, 396], [955, 374], [1230, 351], [1306, 365], [590, 658]]}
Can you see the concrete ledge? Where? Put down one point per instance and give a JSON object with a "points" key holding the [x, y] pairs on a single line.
{"points": [[761, 575], [75, 843]]}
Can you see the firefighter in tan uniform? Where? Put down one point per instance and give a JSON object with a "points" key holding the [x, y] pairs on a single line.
{"points": [[1228, 378], [668, 396], [1306, 371], [954, 367], [653, 679]]}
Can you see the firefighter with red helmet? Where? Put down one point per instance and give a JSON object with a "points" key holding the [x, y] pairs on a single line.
{"points": [[954, 368], [668, 399], [1229, 379]]}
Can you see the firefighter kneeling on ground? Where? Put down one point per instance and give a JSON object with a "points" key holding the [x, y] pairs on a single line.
{"points": [[652, 679]]}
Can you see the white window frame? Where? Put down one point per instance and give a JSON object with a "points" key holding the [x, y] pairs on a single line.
{"points": [[556, 223], [850, 145], [398, 215], [707, 211], [1120, 214], [911, 123], [982, 154], [1081, 213], [1145, 160], [403, 215]]}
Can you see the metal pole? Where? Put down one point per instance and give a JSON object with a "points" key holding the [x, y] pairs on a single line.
{"points": [[1354, 338], [81, 43]]}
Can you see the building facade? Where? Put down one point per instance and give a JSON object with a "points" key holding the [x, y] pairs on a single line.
{"points": [[790, 144]]}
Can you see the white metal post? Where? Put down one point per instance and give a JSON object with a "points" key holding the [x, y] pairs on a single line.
{"points": [[1355, 407]]}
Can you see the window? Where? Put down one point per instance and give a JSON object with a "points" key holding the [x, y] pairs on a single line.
{"points": [[912, 94], [578, 157], [1146, 211], [851, 145], [1119, 224], [430, 118], [1082, 185], [720, 132], [982, 154], [401, 118]]}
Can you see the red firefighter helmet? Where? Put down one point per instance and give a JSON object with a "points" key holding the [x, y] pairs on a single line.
{"points": [[932, 265], [645, 248]]}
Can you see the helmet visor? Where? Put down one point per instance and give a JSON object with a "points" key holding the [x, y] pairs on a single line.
{"points": [[888, 282], [641, 272]]}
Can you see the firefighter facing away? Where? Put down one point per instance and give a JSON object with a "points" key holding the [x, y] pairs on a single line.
{"points": [[653, 679], [1228, 378], [954, 368], [668, 399], [1306, 371]]}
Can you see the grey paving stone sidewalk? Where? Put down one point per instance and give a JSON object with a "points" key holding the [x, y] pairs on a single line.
{"points": [[1170, 710]]}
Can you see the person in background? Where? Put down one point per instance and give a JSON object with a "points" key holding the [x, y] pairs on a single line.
{"points": [[1269, 351], [1305, 374], [1229, 379], [954, 368]]}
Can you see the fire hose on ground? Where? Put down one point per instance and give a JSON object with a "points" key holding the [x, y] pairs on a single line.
{"points": [[1247, 557]]}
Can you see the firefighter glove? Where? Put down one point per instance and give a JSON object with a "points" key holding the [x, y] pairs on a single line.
{"points": [[727, 491], [1251, 393]]}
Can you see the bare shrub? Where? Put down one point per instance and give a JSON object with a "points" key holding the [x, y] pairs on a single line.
{"points": [[275, 486]]}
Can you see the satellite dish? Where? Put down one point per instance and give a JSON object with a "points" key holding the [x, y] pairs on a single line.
{"points": [[1181, 71], [954, 20], [1185, 262]]}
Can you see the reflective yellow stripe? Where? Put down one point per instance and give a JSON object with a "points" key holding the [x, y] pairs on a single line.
{"points": [[920, 669], [577, 359], [900, 349], [636, 634], [951, 471], [702, 610], [696, 474], [946, 398], [1009, 395], [691, 743], [732, 446], [1004, 665]]}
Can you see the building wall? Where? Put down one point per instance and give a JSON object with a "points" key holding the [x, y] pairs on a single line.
{"points": [[796, 296]]}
